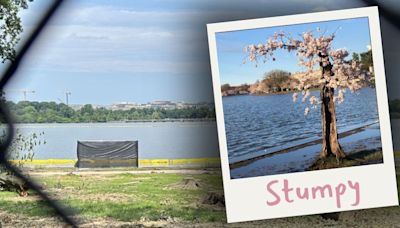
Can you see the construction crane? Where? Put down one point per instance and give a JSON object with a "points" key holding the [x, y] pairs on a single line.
{"points": [[67, 94], [23, 91]]}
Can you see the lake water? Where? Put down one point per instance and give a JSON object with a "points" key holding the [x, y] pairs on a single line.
{"points": [[262, 124], [255, 124], [156, 140]]}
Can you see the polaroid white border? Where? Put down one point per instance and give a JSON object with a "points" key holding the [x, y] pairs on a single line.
{"points": [[246, 198]]}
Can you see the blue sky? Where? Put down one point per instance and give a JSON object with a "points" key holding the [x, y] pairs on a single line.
{"points": [[352, 34], [110, 51]]}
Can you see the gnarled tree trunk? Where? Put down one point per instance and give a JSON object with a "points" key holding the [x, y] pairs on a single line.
{"points": [[330, 142], [11, 183]]}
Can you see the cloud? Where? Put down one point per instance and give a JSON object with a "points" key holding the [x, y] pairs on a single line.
{"points": [[115, 66], [75, 36], [83, 48], [120, 37], [116, 16], [86, 49]]}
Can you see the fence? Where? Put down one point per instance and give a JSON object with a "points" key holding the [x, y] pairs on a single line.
{"points": [[63, 212]]}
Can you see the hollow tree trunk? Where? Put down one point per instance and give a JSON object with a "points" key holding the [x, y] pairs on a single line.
{"points": [[330, 142]]}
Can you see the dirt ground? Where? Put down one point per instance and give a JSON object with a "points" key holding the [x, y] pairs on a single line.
{"points": [[101, 172], [387, 217]]}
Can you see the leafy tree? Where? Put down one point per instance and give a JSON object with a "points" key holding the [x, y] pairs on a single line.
{"points": [[156, 115], [10, 30], [225, 87], [87, 109], [51, 112], [356, 57], [366, 60], [277, 80], [315, 49], [10, 27]]}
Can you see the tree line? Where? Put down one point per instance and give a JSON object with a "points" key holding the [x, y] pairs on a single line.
{"points": [[52, 112], [277, 81], [274, 81]]}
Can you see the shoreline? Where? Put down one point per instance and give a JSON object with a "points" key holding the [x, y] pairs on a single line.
{"points": [[280, 93], [263, 94], [205, 162], [367, 141], [167, 120], [248, 161], [134, 121]]}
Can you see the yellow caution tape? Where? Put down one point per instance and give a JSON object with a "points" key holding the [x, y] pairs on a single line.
{"points": [[142, 162]]}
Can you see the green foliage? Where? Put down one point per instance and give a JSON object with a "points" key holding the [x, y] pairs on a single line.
{"points": [[22, 150], [365, 58], [127, 197], [356, 57], [51, 112], [23, 146], [10, 27]]}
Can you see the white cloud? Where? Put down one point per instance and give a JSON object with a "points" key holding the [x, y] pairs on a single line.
{"points": [[110, 38], [81, 48]]}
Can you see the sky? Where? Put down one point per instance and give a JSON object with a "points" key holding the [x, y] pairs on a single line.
{"points": [[352, 34], [105, 52]]}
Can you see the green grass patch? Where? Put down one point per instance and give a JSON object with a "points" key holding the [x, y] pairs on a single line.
{"points": [[9, 204], [125, 197], [151, 210], [130, 197]]}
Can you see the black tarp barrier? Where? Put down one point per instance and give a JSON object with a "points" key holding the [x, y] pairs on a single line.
{"points": [[101, 154]]}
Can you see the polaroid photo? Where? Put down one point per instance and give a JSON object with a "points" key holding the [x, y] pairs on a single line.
{"points": [[302, 114]]}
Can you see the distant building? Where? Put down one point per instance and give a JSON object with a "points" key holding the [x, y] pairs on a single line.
{"points": [[124, 106], [163, 104], [75, 107]]}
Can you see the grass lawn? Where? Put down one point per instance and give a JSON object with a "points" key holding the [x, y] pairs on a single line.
{"points": [[156, 196], [125, 197]]}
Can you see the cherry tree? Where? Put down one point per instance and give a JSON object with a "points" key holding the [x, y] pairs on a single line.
{"points": [[314, 50]]}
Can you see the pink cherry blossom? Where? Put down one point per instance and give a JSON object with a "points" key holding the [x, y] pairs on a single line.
{"points": [[314, 49]]}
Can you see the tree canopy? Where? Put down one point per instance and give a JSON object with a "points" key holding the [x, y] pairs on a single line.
{"points": [[10, 27], [52, 112], [314, 49]]}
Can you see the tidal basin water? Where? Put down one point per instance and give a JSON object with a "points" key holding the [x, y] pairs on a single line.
{"points": [[164, 140], [257, 125]]}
